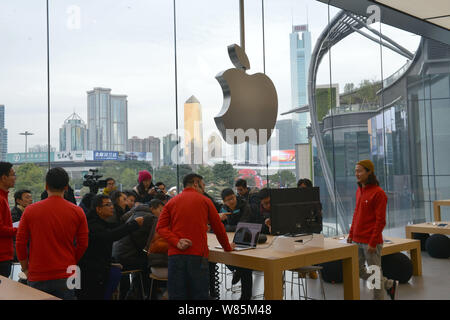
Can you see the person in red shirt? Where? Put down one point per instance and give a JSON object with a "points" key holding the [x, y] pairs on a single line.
{"points": [[368, 223], [7, 232], [184, 224], [56, 231]]}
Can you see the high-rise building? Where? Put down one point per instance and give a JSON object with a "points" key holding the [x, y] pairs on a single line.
{"points": [[73, 134], [150, 144], [300, 57], [285, 134], [153, 145], [215, 146], [169, 143], [193, 131], [107, 120], [3, 135]]}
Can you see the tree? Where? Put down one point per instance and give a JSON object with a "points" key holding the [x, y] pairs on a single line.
{"points": [[32, 177], [283, 179], [207, 173], [225, 172]]}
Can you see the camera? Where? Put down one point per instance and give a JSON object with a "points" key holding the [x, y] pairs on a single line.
{"points": [[92, 180]]}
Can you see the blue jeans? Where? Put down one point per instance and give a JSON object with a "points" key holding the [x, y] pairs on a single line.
{"points": [[57, 288], [188, 277]]}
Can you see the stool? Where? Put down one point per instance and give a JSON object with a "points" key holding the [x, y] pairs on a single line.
{"points": [[304, 283], [131, 272], [153, 277]]}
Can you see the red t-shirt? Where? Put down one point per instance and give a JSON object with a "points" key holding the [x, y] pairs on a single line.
{"points": [[58, 234], [369, 217], [7, 232], [187, 216]]}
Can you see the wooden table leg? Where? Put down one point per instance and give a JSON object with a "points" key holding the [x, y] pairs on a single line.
{"points": [[416, 259], [273, 282], [437, 212], [350, 270], [408, 233]]}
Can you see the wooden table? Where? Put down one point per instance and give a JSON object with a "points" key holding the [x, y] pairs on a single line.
{"points": [[273, 263], [437, 208], [13, 290], [428, 227], [400, 244]]}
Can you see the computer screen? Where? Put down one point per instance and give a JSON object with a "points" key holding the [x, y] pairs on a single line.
{"points": [[295, 211]]}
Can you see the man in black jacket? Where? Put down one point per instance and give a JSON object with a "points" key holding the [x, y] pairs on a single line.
{"points": [[22, 199], [95, 265]]}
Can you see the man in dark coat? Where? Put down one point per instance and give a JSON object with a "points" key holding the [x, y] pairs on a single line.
{"points": [[95, 265]]}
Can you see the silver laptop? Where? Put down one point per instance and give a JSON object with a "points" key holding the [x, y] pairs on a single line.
{"points": [[246, 236]]}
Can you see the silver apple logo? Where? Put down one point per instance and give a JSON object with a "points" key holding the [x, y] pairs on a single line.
{"points": [[250, 102]]}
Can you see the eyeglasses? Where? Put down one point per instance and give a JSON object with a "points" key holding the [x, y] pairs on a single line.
{"points": [[109, 204]]}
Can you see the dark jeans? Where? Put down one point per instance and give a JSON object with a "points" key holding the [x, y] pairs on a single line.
{"points": [[5, 268], [57, 288], [188, 277], [246, 281]]}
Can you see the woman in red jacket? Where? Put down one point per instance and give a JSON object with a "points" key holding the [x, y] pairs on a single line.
{"points": [[368, 223]]}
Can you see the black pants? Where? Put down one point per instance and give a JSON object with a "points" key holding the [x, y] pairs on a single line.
{"points": [[246, 281], [93, 284], [5, 268]]}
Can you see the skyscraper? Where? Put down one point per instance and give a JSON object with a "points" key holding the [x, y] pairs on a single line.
{"points": [[215, 146], [300, 58], [3, 135], [107, 120], [169, 143], [73, 134], [193, 131], [150, 144]]}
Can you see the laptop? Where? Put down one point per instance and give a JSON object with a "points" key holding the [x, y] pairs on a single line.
{"points": [[246, 236]]}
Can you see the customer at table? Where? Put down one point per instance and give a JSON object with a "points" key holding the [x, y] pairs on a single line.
{"points": [[369, 219], [235, 210], [261, 211], [184, 224], [52, 236]]}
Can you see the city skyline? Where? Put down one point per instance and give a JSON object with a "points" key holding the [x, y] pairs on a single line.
{"points": [[143, 67]]}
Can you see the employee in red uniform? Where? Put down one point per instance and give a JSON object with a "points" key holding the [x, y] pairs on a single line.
{"points": [[56, 231], [7, 232], [184, 224], [368, 223]]}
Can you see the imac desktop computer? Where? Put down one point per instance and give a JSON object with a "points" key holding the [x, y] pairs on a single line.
{"points": [[295, 211]]}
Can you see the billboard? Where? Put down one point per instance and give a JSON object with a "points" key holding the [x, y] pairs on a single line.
{"points": [[284, 158], [121, 156], [33, 157], [140, 156], [72, 156], [105, 155]]}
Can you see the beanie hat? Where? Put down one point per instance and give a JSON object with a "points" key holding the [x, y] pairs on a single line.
{"points": [[368, 165], [144, 175]]}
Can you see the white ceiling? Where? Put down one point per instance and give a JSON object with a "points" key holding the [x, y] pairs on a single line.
{"points": [[433, 11]]}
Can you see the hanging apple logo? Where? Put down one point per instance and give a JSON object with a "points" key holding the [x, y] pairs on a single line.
{"points": [[250, 102]]}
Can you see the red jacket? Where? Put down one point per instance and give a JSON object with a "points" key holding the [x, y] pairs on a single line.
{"points": [[58, 234], [187, 216], [7, 232], [369, 217]]}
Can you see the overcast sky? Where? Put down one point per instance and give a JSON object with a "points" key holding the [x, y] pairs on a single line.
{"points": [[127, 45]]}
